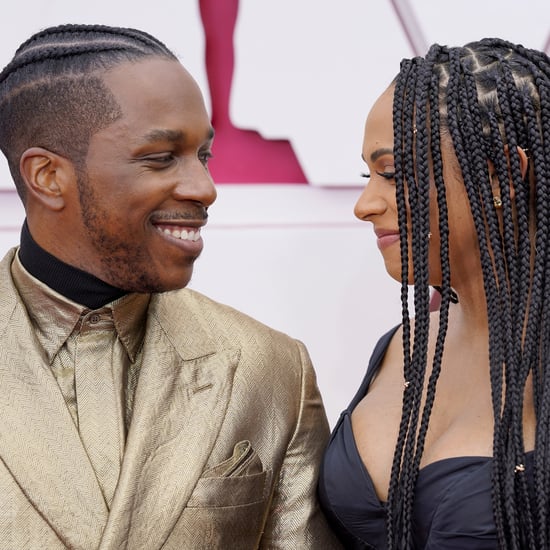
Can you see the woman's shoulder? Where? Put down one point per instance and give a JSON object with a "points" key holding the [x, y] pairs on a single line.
{"points": [[388, 344]]}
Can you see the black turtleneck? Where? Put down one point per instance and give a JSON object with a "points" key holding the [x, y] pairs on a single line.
{"points": [[71, 282]]}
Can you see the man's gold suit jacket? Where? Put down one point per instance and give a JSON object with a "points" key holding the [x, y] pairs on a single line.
{"points": [[222, 452]]}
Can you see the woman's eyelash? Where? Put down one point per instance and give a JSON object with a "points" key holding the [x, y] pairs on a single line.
{"points": [[387, 175]]}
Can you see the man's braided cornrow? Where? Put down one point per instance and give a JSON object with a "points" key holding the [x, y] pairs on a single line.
{"points": [[52, 94]]}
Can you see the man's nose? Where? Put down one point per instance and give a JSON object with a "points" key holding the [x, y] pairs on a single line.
{"points": [[195, 184]]}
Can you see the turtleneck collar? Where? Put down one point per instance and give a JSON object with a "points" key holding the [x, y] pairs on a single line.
{"points": [[73, 283]]}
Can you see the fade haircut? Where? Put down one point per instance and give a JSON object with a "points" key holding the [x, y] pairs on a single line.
{"points": [[52, 94], [487, 99]]}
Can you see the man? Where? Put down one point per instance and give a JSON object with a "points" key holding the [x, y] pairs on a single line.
{"points": [[134, 414]]}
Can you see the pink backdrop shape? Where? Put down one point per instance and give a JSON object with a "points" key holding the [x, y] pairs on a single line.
{"points": [[239, 155]]}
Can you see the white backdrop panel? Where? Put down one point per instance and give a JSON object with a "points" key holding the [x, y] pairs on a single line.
{"points": [[297, 260]]}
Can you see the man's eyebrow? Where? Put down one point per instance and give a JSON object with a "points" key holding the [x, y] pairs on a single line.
{"points": [[164, 134]]}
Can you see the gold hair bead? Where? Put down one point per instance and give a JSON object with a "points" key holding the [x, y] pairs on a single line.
{"points": [[497, 201]]}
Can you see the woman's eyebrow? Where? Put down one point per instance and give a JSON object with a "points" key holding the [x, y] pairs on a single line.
{"points": [[378, 153]]}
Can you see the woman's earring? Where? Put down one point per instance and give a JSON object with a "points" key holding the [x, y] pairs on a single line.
{"points": [[497, 201], [453, 296]]}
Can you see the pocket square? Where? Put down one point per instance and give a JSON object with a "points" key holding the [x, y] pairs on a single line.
{"points": [[238, 481], [244, 461]]}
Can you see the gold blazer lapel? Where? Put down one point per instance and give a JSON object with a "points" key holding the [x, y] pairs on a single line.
{"points": [[182, 395], [39, 443]]}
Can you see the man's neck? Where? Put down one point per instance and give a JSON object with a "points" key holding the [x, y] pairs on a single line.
{"points": [[69, 281]]}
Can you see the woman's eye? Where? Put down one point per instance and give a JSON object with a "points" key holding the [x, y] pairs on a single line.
{"points": [[387, 174]]}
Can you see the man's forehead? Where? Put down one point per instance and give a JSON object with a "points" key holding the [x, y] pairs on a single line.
{"points": [[146, 73], [153, 87]]}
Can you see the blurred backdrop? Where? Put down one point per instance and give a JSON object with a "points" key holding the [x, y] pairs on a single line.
{"points": [[288, 84]]}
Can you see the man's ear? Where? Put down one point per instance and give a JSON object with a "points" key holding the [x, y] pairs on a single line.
{"points": [[47, 176]]}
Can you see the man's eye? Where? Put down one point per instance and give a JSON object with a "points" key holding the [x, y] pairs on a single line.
{"points": [[205, 156], [160, 159]]}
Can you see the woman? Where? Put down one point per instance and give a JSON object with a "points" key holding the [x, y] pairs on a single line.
{"points": [[446, 444]]}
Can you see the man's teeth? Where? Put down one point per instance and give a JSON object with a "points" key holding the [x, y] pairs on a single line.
{"points": [[184, 235]]}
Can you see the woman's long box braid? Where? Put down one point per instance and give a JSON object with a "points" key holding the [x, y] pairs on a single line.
{"points": [[497, 268], [434, 126], [418, 186], [493, 98], [533, 336], [394, 496], [537, 333], [500, 326], [538, 337]]}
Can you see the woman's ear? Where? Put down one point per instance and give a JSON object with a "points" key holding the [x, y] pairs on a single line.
{"points": [[47, 176], [523, 166], [495, 186], [523, 161]]}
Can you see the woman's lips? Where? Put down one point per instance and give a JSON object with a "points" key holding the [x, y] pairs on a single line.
{"points": [[386, 238]]}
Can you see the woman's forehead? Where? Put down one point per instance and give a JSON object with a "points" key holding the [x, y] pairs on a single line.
{"points": [[379, 123]]}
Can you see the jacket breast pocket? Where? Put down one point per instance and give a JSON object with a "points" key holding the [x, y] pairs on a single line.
{"points": [[237, 481], [228, 507]]}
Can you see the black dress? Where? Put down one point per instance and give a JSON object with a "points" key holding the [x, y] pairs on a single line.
{"points": [[452, 507]]}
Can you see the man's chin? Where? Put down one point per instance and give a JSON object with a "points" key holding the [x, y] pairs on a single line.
{"points": [[149, 283], [167, 285]]}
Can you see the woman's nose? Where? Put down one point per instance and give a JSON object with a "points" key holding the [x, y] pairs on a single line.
{"points": [[370, 203]]}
